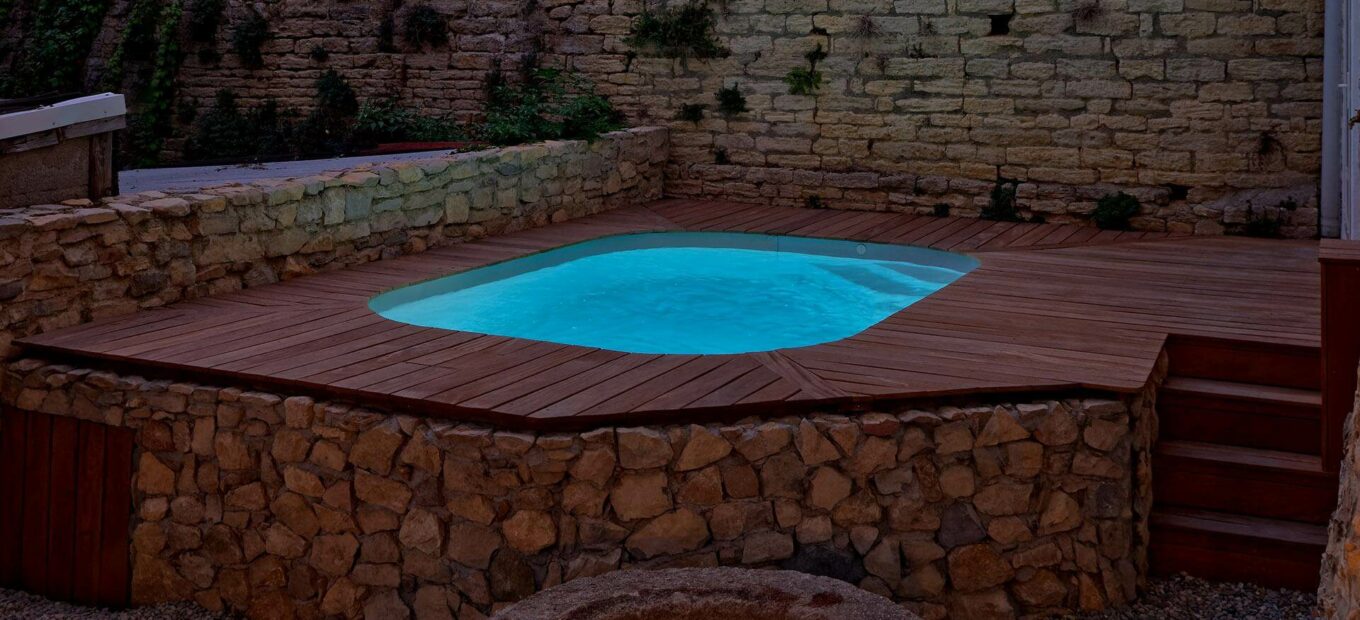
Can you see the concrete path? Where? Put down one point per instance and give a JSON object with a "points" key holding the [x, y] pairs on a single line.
{"points": [[194, 177]]}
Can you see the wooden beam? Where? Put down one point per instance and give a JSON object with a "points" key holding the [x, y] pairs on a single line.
{"points": [[1340, 342]]}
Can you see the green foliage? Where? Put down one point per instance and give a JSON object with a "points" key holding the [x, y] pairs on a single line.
{"points": [[550, 104], [730, 100], [1113, 211], [1001, 206], [156, 101], [225, 132], [327, 130], [387, 34], [205, 16], [248, 37], [385, 121], [678, 32], [52, 57], [137, 44], [803, 81], [692, 112], [807, 81], [424, 26]]}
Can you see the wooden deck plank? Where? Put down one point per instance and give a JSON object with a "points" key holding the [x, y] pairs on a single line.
{"points": [[1052, 306]]}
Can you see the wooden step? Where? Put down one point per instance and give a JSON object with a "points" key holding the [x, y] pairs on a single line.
{"points": [[1243, 481], [1245, 362], [1226, 547], [1241, 414]]}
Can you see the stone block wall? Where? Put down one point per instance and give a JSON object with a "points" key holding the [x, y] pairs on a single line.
{"points": [[69, 263], [278, 505], [1207, 110], [1339, 590]]}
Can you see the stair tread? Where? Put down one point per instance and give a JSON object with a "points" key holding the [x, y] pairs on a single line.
{"points": [[1244, 391], [1239, 525], [1239, 455]]}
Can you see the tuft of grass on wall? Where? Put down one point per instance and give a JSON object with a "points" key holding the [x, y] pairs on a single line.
{"points": [[248, 37], [687, 31], [730, 100]]}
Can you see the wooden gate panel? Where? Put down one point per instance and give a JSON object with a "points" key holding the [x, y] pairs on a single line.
{"points": [[64, 527]]}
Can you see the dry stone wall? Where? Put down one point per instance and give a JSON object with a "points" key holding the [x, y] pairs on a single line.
{"points": [[69, 263], [1207, 110], [1339, 590], [277, 505]]}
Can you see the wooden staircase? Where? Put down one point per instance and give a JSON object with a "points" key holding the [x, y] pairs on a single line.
{"points": [[1239, 488]]}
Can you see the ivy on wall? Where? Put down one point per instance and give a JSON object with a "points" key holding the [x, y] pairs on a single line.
{"points": [[156, 101], [52, 56]]}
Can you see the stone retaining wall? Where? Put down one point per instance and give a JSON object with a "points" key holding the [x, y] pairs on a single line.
{"points": [[1202, 108], [276, 505], [78, 261], [1339, 591]]}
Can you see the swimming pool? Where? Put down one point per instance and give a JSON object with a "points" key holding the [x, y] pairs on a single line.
{"points": [[682, 293]]}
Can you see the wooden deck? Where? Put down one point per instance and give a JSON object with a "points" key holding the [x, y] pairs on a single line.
{"points": [[1052, 307]]}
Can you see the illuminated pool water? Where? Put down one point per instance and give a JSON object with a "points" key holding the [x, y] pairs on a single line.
{"points": [[699, 293]]}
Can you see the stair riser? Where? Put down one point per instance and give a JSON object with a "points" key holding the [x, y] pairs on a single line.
{"points": [[1218, 558], [1242, 491], [1268, 426], [1245, 362]]}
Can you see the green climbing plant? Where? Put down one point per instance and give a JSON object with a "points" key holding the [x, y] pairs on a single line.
{"points": [[156, 101], [1113, 211], [807, 80], [52, 56]]}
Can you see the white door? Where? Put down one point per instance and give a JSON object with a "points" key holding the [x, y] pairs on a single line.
{"points": [[1350, 145]]}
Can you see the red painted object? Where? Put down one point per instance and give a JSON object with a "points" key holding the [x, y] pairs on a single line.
{"points": [[392, 148]]}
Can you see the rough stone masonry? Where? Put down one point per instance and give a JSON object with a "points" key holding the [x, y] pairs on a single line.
{"points": [[1207, 110], [281, 506]]}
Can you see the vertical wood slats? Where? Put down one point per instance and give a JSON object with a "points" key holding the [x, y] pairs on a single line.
{"points": [[1340, 342], [67, 485]]}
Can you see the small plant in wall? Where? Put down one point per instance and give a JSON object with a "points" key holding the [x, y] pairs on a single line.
{"points": [[815, 202], [424, 27], [1113, 211], [692, 112], [1265, 150], [807, 81], [940, 210], [249, 35], [1262, 223], [1001, 205], [730, 100], [720, 156], [678, 32]]}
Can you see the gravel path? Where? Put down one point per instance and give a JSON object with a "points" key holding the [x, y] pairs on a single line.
{"points": [[1186, 598], [1176, 598], [14, 604]]}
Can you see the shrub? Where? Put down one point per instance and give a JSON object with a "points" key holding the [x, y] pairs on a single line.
{"points": [[225, 132], [327, 130], [248, 37], [678, 32], [692, 112], [424, 26], [550, 104], [385, 121], [205, 16], [730, 100], [1113, 211]]}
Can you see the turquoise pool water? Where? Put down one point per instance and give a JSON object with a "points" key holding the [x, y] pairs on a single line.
{"points": [[702, 293]]}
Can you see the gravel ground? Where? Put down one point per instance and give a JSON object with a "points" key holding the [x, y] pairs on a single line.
{"points": [[1177, 598], [1186, 598], [14, 604]]}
